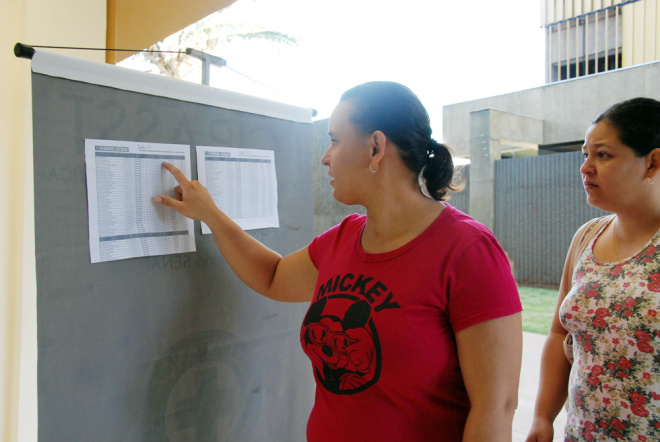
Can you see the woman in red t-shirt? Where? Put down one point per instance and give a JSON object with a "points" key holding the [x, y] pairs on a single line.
{"points": [[446, 326]]}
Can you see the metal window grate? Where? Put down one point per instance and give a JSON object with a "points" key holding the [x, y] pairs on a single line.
{"points": [[585, 43]]}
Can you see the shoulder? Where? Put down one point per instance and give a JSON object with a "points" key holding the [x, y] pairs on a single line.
{"points": [[464, 228], [579, 244], [589, 229], [351, 223], [596, 223], [459, 240], [352, 219], [350, 226]]}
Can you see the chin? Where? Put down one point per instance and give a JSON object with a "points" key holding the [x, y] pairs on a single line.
{"points": [[599, 204], [593, 203], [344, 201]]}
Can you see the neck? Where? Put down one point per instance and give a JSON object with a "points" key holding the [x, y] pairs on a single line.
{"points": [[397, 219], [637, 224]]}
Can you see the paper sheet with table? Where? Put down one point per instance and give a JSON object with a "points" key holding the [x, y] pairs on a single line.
{"points": [[242, 183], [122, 179], [124, 176]]}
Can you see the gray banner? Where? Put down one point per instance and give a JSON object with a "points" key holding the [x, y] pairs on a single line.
{"points": [[167, 348]]}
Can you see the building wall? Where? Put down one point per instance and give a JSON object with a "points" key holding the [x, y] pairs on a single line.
{"points": [[36, 22], [566, 107]]}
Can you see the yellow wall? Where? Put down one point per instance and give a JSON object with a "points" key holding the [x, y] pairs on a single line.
{"points": [[641, 41], [139, 24], [37, 22], [83, 23], [553, 11]]}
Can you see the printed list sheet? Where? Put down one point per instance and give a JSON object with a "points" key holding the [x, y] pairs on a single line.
{"points": [[242, 183], [122, 179]]}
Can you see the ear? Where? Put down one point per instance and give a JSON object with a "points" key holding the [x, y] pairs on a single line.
{"points": [[377, 144], [653, 162]]}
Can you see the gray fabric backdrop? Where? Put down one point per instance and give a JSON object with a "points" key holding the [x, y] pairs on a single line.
{"points": [[167, 348]]}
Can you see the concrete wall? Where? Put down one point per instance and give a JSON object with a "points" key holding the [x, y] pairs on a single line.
{"points": [[566, 108], [491, 131]]}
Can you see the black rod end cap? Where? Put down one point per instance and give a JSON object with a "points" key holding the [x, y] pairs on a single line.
{"points": [[23, 51]]}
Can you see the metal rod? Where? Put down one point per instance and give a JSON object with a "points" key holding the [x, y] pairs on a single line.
{"points": [[207, 61]]}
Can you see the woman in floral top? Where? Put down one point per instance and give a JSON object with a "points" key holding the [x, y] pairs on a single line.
{"points": [[609, 297]]}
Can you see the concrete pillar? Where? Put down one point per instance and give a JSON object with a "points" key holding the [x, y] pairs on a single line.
{"points": [[491, 131], [483, 153]]}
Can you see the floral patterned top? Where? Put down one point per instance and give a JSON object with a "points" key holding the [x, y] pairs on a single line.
{"points": [[613, 312]]}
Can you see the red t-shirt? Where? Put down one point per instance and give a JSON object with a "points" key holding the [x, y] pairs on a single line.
{"points": [[380, 329]]}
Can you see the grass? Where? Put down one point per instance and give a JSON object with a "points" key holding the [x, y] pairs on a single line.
{"points": [[538, 309]]}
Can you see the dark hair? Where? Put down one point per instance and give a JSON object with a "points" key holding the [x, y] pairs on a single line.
{"points": [[638, 123], [397, 112]]}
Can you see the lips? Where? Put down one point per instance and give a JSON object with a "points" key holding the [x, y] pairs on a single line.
{"points": [[588, 185]]}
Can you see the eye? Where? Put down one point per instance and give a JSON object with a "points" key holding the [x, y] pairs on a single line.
{"points": [[603, 155]]}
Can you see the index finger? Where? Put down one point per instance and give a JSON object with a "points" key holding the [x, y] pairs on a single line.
{"points": [[178, 175]]}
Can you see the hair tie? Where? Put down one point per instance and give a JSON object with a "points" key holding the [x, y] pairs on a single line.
{"points": [[431, 148]]}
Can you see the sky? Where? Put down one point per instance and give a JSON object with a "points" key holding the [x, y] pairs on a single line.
{"points": [[445, 51]]}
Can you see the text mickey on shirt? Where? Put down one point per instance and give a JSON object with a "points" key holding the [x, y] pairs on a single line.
{"points": [[375, 292]]}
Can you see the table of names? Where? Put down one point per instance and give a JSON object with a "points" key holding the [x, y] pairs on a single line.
{"points": [[123, 177], [243, 184]]}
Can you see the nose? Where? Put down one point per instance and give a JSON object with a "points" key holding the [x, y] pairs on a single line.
{"points": [[325, 159], [587, 166]]}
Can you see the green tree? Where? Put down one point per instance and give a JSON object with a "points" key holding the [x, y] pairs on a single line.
{"points": [[207, 35]]}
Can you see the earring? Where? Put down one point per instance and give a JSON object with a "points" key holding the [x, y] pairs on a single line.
{"points": [[371, 168], [650, 180]]}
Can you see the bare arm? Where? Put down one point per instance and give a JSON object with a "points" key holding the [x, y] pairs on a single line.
{"points": [[490, 354], [291, 278]]}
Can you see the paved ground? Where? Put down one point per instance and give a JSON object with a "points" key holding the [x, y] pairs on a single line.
{"points": [[529, 381]]}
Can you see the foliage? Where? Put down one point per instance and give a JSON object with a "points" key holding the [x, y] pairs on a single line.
{"points": [[207, 35]]}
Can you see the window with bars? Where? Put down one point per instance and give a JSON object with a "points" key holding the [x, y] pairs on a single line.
{"points": [[584, 45]]}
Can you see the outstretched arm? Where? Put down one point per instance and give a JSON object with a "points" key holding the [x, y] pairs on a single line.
{"points": [[290, 278], [490, 354]]}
